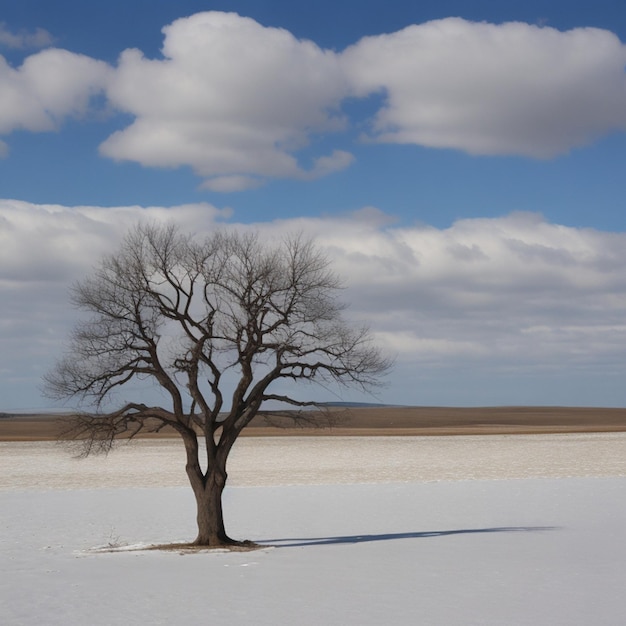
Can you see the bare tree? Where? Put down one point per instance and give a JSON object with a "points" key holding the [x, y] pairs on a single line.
{"points": [[200, 318]]}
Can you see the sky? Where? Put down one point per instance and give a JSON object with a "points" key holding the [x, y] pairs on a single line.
{"points": [[461, 163]]}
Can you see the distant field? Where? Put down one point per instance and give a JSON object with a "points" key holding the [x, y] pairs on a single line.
{"points": [[389, 421]]}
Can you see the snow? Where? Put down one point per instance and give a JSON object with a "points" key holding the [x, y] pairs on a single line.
{"points": [[451, 530]]}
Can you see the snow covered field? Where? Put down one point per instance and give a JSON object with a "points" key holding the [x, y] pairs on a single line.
{"points": [[386, 530]]}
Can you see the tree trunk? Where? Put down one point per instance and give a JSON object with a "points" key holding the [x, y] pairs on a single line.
{"points": [[210, 515], [208, 491]]}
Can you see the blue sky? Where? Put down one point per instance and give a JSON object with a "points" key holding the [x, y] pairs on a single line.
{"points": [[469, 155]]}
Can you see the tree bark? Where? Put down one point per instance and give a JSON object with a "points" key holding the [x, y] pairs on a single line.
{"points": [[208, 489], [210, 514]]}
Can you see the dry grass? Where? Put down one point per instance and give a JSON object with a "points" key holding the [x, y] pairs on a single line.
{"points": [[390, 421]]}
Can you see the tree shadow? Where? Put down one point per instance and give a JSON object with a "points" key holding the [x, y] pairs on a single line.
{"points": [[352, 539]]}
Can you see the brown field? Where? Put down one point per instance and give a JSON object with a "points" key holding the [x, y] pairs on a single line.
{"points": [[388, 421]]}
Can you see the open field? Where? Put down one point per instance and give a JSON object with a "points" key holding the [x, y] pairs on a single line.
{"points": [[391, 421], [263, 461], [441, 531]]}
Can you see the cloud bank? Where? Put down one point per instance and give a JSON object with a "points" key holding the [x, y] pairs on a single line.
{"points": [[241, 103], [514, 295]]}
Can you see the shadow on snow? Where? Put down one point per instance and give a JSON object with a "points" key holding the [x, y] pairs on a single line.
{"points": [[351, 539]]}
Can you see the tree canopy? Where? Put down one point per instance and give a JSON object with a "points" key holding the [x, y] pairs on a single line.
{"points": [[218, 323]]}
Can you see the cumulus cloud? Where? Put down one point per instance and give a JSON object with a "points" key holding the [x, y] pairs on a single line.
{"points": [[237, 101], [48, 87], [22, 39], [510, 88], [241, 103], [231, 98]]}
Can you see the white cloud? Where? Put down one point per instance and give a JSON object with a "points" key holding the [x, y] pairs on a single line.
{"points": [[409, 344], [324, 165], [232, 183], [483, 88], [473, 292], [43, 250], [231, 98], [514, 295], [241, 103], [57, 244], [48, 87], [39, 38]]}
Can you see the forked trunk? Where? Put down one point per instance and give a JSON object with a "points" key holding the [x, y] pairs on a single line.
{"points": [[210, 515], [208, 490]]}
